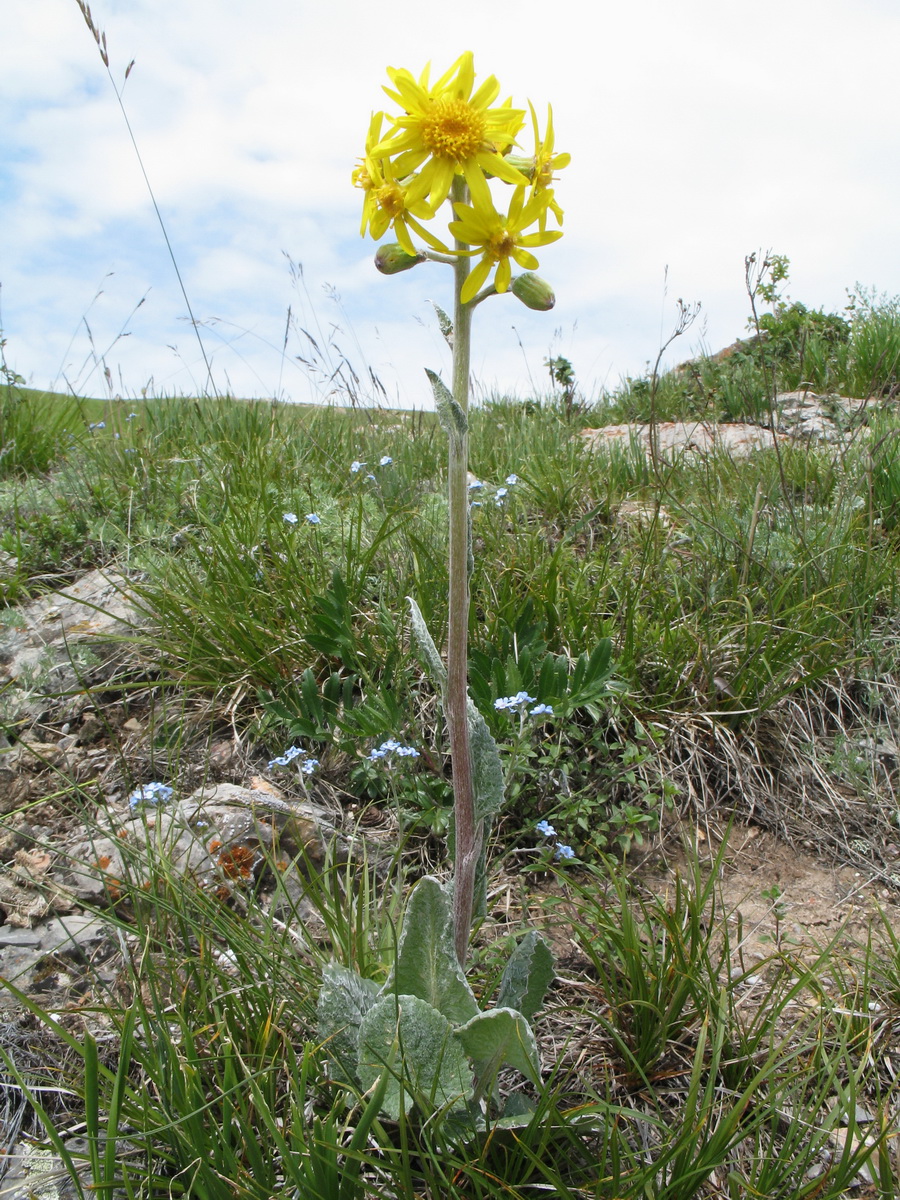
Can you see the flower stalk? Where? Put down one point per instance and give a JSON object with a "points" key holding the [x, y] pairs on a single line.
{"points": [[452, 143], [468, 831]]}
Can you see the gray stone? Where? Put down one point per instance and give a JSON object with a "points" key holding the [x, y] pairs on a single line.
{"points": [[60, 644], [36, 1173]]}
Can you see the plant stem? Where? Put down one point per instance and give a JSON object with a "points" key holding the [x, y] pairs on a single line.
{"points": [[467, 830]]}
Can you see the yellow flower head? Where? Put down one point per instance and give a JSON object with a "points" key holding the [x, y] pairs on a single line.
{"points": [[499, 238], [389, 202], [447, 130], [546, 162]]}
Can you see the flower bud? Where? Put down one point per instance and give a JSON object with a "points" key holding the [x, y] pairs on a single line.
{"points": [[533, 291], [521, 163], [392, 259]]}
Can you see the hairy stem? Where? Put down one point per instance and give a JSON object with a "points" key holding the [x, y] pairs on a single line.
{"points": [[467, 829]]}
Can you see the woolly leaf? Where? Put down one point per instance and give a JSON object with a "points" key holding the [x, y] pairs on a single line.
{"points": [[495, 1038], [445, 323], [344, 1000], [528, 974], [487, 768], [428, 651], [426, 964], [449, 410], [410, 1039]]}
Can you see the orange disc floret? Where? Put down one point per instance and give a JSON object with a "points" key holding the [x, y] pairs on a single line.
{"points": [[223, 893], [103, 862], [214, 846]]}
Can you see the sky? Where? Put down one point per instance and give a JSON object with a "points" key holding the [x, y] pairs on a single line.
{"points": [[700, 132]]}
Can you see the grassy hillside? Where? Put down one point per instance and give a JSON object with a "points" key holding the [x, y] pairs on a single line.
{"points": [[716, 638]]}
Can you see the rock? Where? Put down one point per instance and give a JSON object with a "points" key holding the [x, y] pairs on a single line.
{"points": [[686, 438], [77, 939], [828, 418], [36, 1173], [217, 836], [58, 645]]}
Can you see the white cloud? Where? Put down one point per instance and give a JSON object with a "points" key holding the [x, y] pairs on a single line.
{"points": [[699, 132]]}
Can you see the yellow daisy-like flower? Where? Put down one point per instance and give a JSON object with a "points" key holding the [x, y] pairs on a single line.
{"points": [[389, 202], [447, 130], [499, 238], [540, 167], [546, 162]]}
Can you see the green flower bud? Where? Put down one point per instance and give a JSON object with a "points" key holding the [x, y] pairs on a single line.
{"points": [[533, 291], [392, 259], [521, 163]]}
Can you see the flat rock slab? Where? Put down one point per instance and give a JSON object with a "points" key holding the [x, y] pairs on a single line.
{"points": [[58, 643], [686, 438], [218, 837], [800, 415]]}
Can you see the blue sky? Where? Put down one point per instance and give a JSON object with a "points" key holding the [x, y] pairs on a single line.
{"points": [[699, 131]]}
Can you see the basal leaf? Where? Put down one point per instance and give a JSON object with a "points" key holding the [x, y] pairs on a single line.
{"points": [[528, 974], [344, 1000], [426, 964], [410, 1039], [495, 1038]]}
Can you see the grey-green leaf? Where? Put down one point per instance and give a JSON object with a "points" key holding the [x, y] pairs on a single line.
{"points": [[428, 651], [487, 768], [495, 1038], [426, 964], [528, 974], [344, 1000], [445, 323], [449, 411], [416, 1044]]}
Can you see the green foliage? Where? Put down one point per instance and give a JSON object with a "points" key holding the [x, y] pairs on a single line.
{"points": [[408, 1040], [528, 974], [422, 1028], [426, 964]]}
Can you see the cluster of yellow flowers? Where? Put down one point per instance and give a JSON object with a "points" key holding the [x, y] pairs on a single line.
{"points": [[448, 131]]}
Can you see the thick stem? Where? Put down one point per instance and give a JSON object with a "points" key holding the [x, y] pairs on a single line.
{"points": [[467, 829]]}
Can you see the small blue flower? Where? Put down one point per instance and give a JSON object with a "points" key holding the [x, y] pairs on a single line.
{"points": [[355, 466], [130, 450], [564, 852], [291, 518], [542, 709], [392, 746], [150, 793], [475, 504], [372, 477], [97, 425], [314, 518], [500, 494], [385, 460], [131, 416], [545, 828], [309, 766], [475, 485], [512, 480], [288, 757], [515, 701]]}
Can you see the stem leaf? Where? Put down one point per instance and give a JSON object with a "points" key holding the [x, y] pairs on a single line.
{"points": [[450, 412]]}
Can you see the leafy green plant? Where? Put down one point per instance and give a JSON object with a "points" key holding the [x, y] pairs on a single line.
{"points": [[421, 1035]]}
